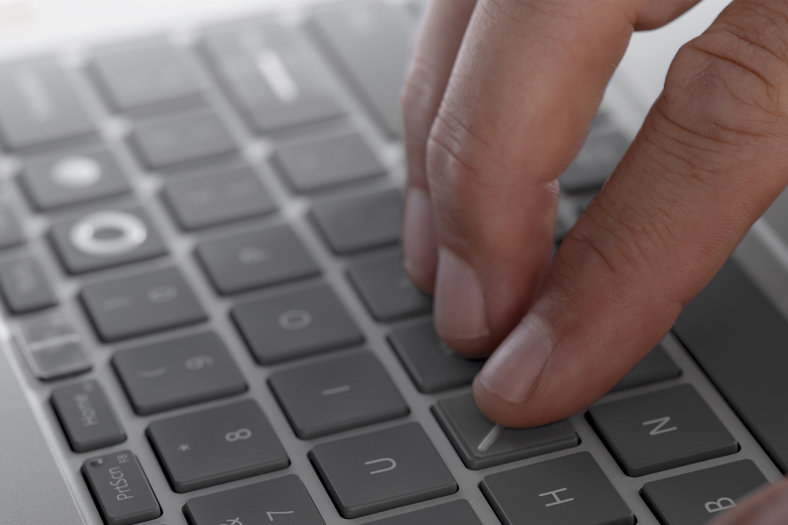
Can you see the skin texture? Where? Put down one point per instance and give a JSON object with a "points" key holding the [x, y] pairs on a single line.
{"points": [[496, 105]]}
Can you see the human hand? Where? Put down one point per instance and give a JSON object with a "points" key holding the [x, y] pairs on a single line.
{"points": [[498, 101]]}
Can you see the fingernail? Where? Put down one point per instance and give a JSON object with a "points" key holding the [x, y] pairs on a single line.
{"points": [[418, 241], [514, 367], [460, 313]]}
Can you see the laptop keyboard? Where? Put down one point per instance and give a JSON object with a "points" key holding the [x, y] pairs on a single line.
{"points": [[214, 306]]}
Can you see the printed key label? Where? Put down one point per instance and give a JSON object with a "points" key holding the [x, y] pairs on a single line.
{"points": [[556, 497], [713, 507], [660, 425], [380, 465]]}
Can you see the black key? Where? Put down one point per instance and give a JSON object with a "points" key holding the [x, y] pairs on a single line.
{"points": [[661, 430], [386, 290], [698, 497], [292, 324], [321, 162], [481, 443], [571, 489], [731, 327], [10, 231], [370, 43], [262, 257], [24, 285], [51, 345], [120, 488], [454, 513], [217, 197], [337, 394], [217, 445], [178, 372], [186, 138], [272, 75], [143, 74], [360, 222], [432, 365], [656, 366], [595, 162], [381, 470], [39, 105], [87, 417], [72, 178], [281, 500], [124, 307], [106, 238]]}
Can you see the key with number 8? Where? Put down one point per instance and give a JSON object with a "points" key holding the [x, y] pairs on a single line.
{"points": [[217, 445]]}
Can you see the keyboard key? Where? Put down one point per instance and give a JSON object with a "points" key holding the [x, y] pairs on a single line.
{"points": [[186, 138], [78, 176], [282, 500], [217, 197], [381, 470], [321, 162], [656, 366], [481, 443], [262, 257], [143, 74], [120, 488], [730, 327], [217, 445], [39, 105], [24, 285], [431, 364], [661, 430], [454, 513], [293, 324], [11, 234], [337, 394], [178, 372], [571, 489], [122, 307], [370, 43], [698, 497], [87, 417], [272, 75], [595, 162], [360, 222], [386, 290], [105, 238], [51, 345]]}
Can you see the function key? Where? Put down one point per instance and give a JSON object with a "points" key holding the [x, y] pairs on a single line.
{"points": [[178, 372], [661, 430], [697, 497], [121, 489], [266, 256], [217, 445], [39, 105], [283, 500], [360, 222], [382, 470], [337, 394], [370, 42], [167, 142], [72, 178], [481, 443], [217, 197], [296, 323], [432, 365], [272, 75], [106, 238], [571, 489], [87, 417], [143, 74], [51, 345], [656, 366], [24, 285], [321, 162], [11, 234], [130, 306], [454, 513]]}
